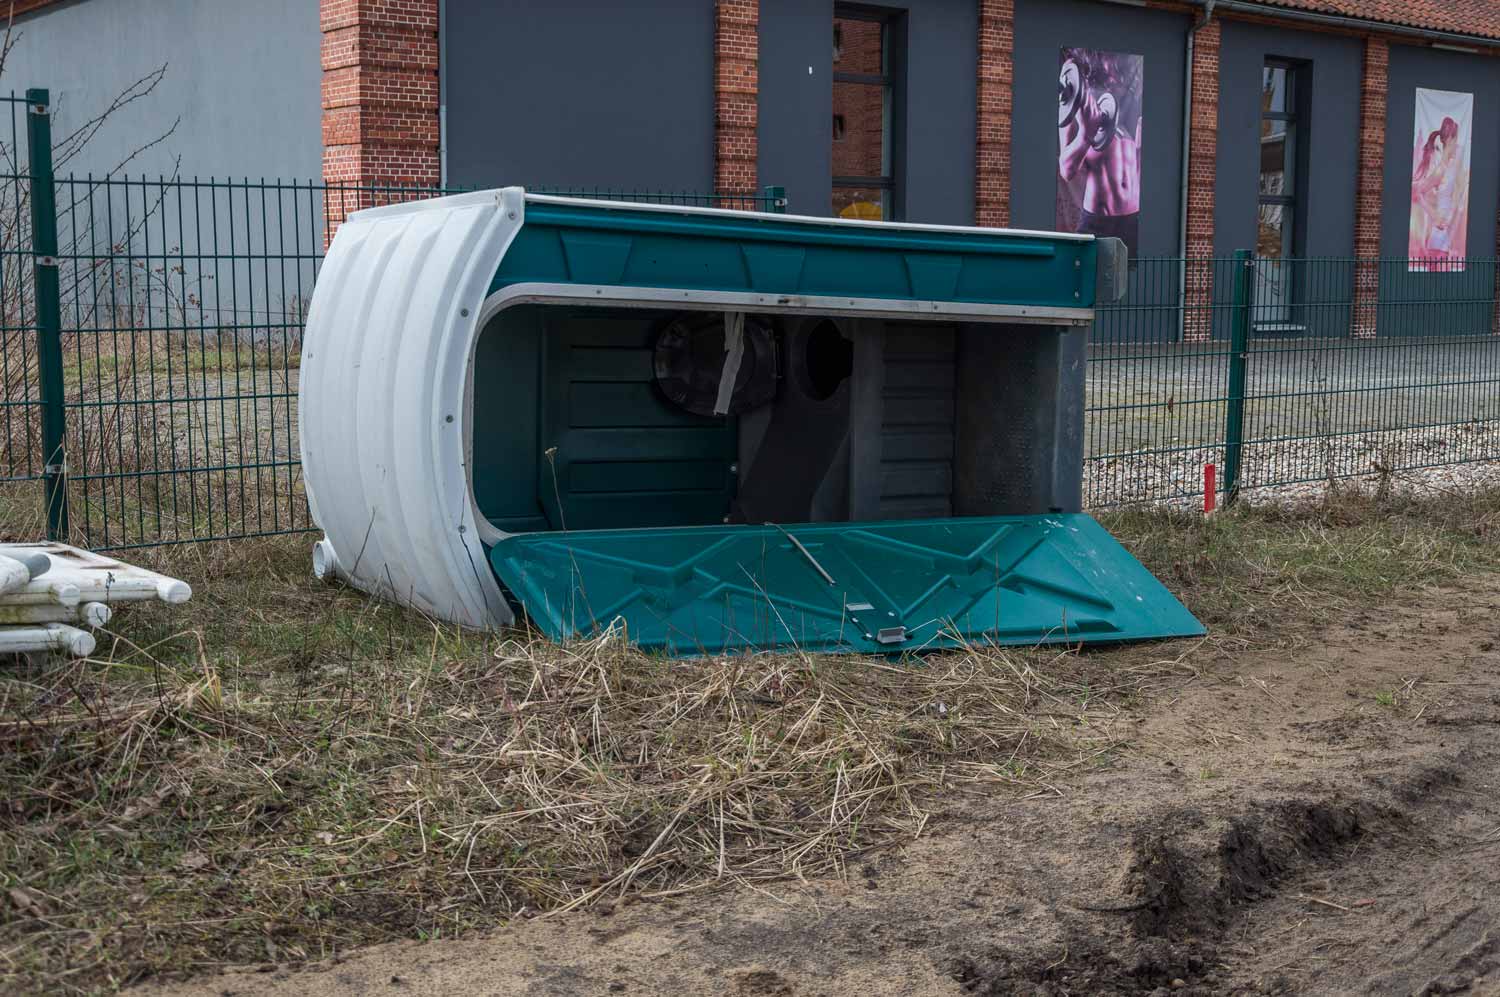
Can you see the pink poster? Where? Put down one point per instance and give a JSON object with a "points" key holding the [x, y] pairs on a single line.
{"points": [[1439, 234], [1100, 100]]}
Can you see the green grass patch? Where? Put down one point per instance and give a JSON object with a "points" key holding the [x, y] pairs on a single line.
{"points": [[1264, 571]]}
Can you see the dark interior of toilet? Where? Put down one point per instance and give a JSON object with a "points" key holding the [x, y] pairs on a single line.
{"points": [[588, 418]]}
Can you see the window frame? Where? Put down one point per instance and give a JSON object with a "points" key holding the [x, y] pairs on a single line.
{"points": [[888, 79], [1291, 165], [1280, 271]]}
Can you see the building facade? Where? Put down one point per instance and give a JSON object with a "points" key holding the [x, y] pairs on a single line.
{"points": [[230, 83], [1300, 129], [1294, 128]]}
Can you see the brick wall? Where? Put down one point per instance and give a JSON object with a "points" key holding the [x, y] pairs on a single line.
{"points": [[380, 98], [736, 95], [997, 39], [1203, 153], [1372, 104]]}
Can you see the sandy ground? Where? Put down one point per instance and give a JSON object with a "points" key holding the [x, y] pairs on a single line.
{"points": [[1275, 825]]}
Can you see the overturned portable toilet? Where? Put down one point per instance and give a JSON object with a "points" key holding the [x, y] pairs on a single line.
{"points": [[714, 430]]}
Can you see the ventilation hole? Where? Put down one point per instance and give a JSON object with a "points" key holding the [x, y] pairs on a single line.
{"points": [[829, 359]]}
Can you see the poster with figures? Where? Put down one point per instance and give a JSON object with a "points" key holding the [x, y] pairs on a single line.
{"points": [[1099, 112], [1438, 238]]}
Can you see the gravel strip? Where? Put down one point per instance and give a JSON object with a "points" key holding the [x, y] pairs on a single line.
{"points": [[1460, 458]]}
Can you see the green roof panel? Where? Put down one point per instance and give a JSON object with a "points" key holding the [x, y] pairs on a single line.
{"points": [[615, 245]]}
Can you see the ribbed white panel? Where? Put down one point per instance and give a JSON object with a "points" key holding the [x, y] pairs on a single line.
{"points": [[385, 365]]}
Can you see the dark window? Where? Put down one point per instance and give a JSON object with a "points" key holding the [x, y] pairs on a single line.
{"points": [[863, 107], [1280, 187]]}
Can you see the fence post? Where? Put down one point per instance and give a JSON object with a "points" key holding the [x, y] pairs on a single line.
{"points": [[776, 198], [48, 306], [1239, 356]]}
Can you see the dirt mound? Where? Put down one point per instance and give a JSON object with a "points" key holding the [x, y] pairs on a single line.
{"points": [[1176, 904]]}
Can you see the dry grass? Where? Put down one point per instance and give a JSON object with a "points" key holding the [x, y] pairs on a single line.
{"points": [[286, 771], [1272, 573], [307, 771]]}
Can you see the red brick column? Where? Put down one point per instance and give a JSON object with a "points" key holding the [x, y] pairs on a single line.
{"points": [[380, 100], [997, 42], [1372, 104], [736, 96], [1203, 154]]}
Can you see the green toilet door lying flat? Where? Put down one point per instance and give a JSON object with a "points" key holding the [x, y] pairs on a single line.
{"points": [[844, 587]]}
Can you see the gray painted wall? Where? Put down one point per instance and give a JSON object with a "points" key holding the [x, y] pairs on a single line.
{"points": [[796, 101], [244, 81], [1406, 297], [580, 94], [1330, 135], [942, 58], [243, 78], [1043, 28], [934, 152]]}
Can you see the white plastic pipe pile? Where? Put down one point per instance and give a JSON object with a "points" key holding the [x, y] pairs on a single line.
{"points": [[49, 591]]}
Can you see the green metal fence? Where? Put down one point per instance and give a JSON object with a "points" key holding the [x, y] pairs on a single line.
{"points": [[1286, 372], [150, 335], [23, 454]]}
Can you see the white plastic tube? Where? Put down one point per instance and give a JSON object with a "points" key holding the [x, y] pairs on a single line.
{"points": [[36, 561], [91, 587], [325, 561], [99, 578], [173, 591], [46, 637], [13, 574], [94, 614], [43, 592]]}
